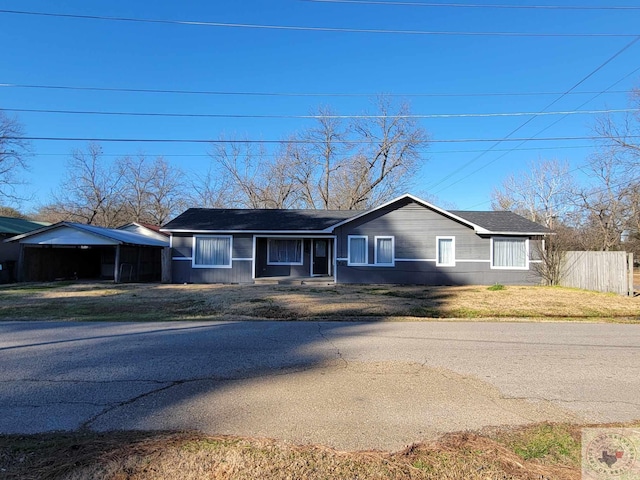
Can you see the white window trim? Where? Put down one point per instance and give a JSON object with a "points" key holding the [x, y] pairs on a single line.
{"points": [[526, 246], [366, 249], [393, 251], [193, 259], [301, 262], [453, 248]]}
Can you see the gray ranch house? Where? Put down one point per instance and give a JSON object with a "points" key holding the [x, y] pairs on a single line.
{"points": [[404, 241]]}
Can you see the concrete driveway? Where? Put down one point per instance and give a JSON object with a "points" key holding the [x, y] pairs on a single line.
{"points": [[347, 385]]}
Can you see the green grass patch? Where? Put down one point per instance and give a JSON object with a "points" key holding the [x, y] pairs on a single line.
{"points": [[496, 288], [551, 443]]}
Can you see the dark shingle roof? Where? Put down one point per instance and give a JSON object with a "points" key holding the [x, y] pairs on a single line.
{"points": [[254, 220], [500, 221]]}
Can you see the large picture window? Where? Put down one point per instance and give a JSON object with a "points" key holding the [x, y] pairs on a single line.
{"points": [[284, 251], [446, 251], [358, 250], [212, 252], [512, 253], [384, 254]]}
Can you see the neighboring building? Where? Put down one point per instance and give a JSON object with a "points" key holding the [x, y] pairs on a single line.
{"points": [[405, 241], [152, 231], [9, 252], [68, 250]]}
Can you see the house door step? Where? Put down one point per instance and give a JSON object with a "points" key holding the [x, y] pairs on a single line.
{"points": [[321, 280]]}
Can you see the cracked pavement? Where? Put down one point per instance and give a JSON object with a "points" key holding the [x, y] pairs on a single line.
{"points": [[347, 385]]}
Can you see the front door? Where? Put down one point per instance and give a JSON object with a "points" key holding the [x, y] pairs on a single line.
{"points": [[320, 257]]}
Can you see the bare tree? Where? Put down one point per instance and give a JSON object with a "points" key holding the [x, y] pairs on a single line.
{"points": [[327, 166], [91, 191], [13, 152], [388, 156], [256, 181], [610, 204], [542, 193], [604, 206], [209, 191], [12, 212], [153, 191], [166, 192]]}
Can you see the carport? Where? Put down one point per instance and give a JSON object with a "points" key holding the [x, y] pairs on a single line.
{"points": [[68, 250]]}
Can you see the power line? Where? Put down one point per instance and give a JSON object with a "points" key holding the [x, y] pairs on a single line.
{"points": [[202, 155], [517, 147], [593, 72], [250, 141], [312, 29], [292, 94], [470, 5], [316, 117]]}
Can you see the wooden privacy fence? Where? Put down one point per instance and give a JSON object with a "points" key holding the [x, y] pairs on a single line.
{"points": [[600, 271]]}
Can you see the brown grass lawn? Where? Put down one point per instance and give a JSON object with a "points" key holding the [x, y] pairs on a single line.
{"points": [[540, 452], [155, 302]]}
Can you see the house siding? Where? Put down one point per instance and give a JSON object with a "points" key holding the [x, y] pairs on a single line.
{"points": [[426, 273], [182, 270], [263, 269], [415, 228]]}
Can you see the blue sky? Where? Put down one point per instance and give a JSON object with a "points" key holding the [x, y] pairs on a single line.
{"points": [[53, 51]]}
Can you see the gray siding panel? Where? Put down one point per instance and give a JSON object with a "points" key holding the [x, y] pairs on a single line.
{"points": [[263, 269], [182, 245], [182, 272], [242, 246], [415, 229], [240, 273], [426, 273]]}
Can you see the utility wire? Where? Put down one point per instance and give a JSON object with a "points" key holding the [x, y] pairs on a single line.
{"points": [[538, 133], [312, 29], [476, 5], [296, 141], [293, 94], [584, 79], [342, 155], [316, 117]]}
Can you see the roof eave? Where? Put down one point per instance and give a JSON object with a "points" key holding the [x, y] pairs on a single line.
{"points": [[518, 234], [327, 231]]}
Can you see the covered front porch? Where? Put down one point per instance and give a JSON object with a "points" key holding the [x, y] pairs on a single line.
{"points": [[287, 257]]}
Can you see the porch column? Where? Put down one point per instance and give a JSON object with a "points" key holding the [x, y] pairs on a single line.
{"points": [[116, 266]]}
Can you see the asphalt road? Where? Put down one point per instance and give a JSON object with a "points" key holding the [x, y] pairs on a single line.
{"points": [[347, 385]]}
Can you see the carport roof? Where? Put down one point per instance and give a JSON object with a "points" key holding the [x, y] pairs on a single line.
{"points": [[16, 226], [109, 236]]}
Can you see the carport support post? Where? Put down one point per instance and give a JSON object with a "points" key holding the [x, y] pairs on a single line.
{"points": [[116, 266], [630, 266], [20, 274]]}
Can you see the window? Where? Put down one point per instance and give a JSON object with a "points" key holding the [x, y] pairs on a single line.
{"points": [[510, 253], [384, 254], [212, 252], [284, 251], [358, 250], [446, 251]]}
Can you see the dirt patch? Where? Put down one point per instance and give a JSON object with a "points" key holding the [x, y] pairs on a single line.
{"points": [[80, 301]]}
